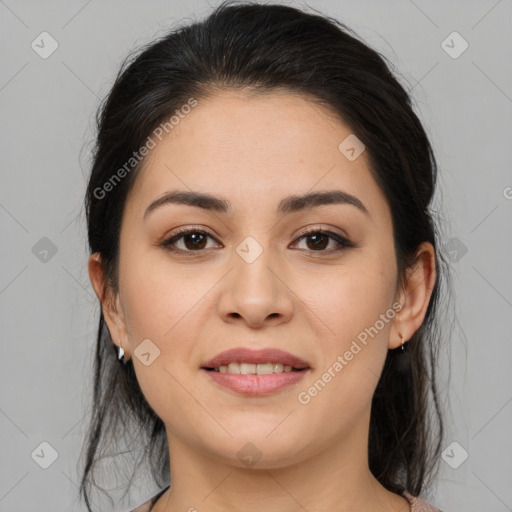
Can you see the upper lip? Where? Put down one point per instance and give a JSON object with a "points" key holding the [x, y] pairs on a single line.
{"points": [[247, 355]]}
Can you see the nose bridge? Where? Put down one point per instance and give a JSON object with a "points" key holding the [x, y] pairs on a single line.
{"points": [[254, 291], [252, 265]]}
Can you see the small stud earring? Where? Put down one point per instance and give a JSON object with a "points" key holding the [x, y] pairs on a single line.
{"points": [[120, 356], [402, 338]]}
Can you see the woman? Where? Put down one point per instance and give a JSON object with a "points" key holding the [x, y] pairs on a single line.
{"points": [[266, 259]]}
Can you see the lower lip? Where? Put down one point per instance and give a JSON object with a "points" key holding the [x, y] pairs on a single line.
{"points": [[256, 385]]}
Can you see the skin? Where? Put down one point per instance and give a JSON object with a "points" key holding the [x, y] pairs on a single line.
{"points": [[254, 151]]}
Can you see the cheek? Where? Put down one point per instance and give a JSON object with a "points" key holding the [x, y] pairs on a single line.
{"points": [[157, 296], [355, 308], [354, 296], [163, 303], [159, 305], [352, 358]]}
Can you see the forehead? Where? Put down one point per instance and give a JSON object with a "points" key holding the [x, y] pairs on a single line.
{"points": [[255, 148]]}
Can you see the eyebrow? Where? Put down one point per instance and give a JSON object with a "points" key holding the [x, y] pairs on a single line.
{"points": [[288, 205]]}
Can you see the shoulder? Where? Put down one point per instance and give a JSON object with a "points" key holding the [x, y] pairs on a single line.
{"points": [[145, 507], [419, 505]]}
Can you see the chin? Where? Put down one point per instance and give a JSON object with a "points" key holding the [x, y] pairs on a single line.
{"points": [[255, 449]]}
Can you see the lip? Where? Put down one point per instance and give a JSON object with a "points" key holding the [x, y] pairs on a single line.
{"points": [[247, 355], [256, 385]]}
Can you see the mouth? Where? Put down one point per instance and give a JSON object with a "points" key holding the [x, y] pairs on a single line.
{"points": [[255, 372], [255, 369]]}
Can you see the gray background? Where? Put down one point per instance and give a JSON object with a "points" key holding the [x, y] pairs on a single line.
{"points": [[49, 311]]}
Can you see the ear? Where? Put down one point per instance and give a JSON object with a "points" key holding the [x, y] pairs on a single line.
{"points": [[414, 296], [110, 304]]}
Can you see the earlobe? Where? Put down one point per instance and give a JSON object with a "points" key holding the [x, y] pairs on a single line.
{"points": [[415, 296]]}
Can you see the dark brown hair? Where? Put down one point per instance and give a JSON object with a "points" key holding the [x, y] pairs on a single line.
{"points": [[262, 48]]}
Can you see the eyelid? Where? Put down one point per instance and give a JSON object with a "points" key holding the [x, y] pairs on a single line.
{"points": [[318, 229]]}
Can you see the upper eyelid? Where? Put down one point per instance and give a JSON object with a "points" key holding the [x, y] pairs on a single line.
{"points": [[186, 231]]}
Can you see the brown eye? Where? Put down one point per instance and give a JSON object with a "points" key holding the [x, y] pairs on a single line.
{"points": [[318, 240], [193, 240]]}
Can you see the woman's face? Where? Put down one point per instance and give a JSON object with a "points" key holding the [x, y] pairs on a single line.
{"points": [[246, 280]]}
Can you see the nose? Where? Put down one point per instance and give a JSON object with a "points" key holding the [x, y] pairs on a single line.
{"points": [[256, 293]]}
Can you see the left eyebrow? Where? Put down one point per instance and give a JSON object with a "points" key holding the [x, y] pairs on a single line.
{"points": [[292, 204], [288, 205]]}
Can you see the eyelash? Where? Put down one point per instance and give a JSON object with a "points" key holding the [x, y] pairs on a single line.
{"points": [[342, 241]]}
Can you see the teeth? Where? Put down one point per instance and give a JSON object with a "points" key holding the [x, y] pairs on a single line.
{"points": [[246, 368], [254, 369], [264, 369], [232, 368]]}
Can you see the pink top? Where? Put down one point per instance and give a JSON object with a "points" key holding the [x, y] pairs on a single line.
{"points": [[416, 504]]}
